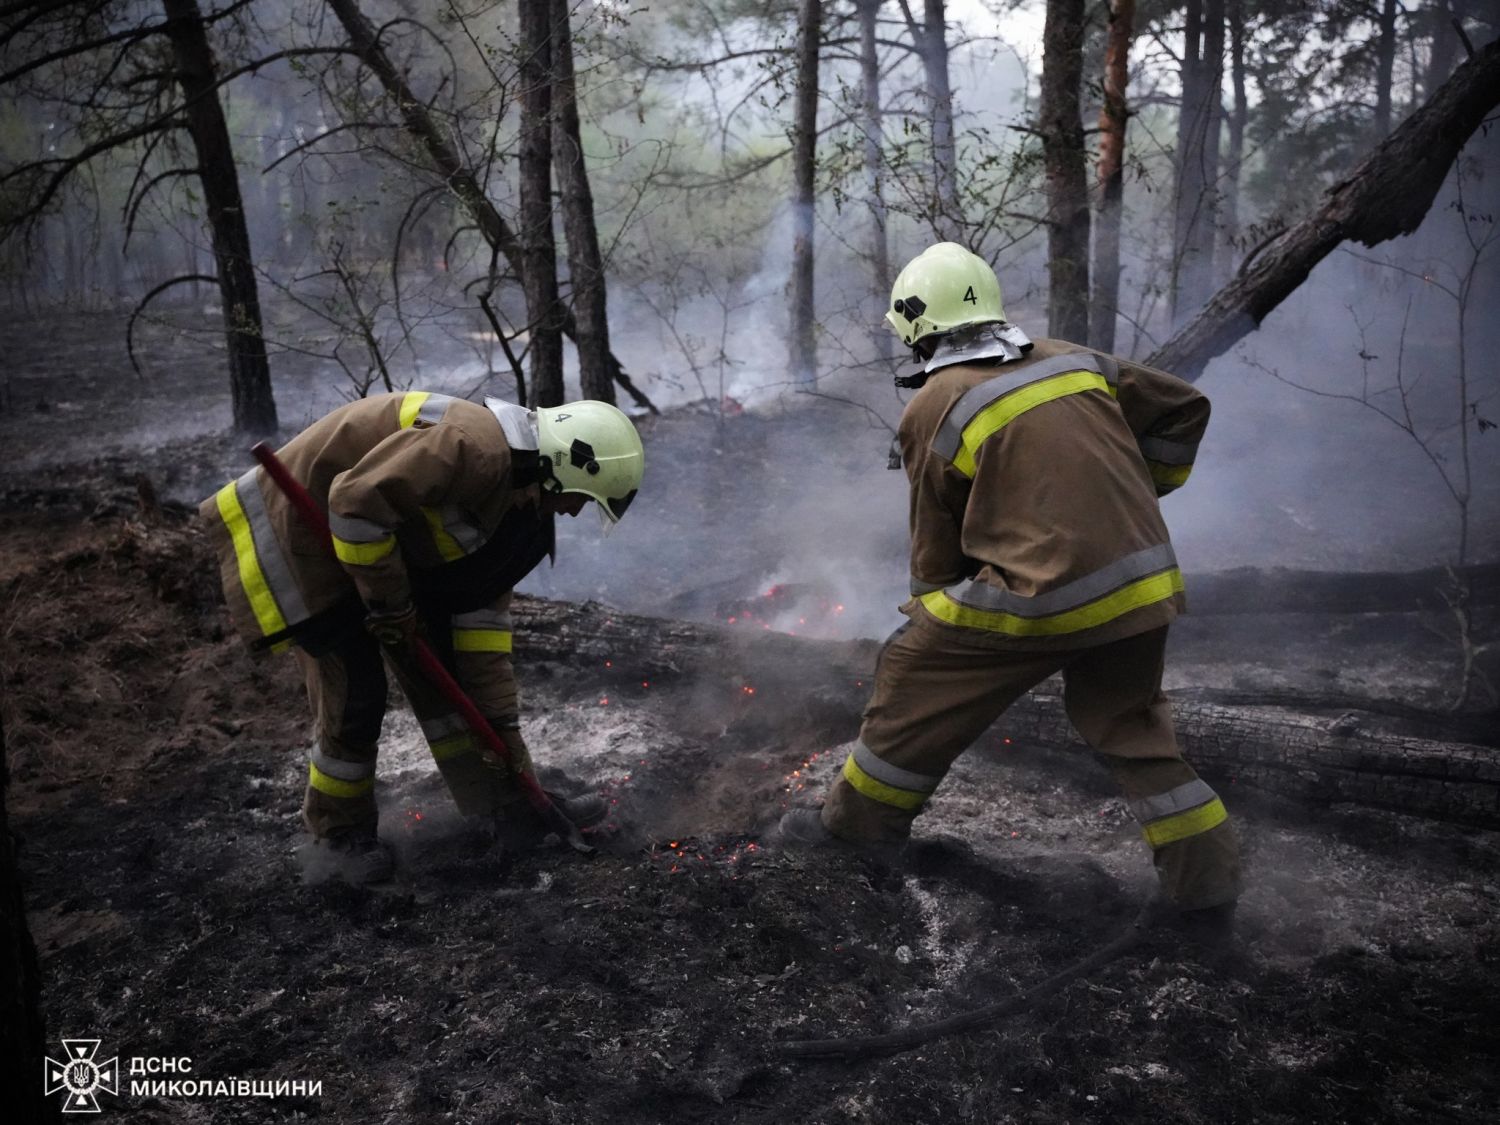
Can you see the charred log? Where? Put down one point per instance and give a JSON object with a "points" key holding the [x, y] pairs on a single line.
{"points": [[1251, 590]]}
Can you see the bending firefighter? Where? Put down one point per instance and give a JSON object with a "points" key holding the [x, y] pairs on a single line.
{"points": [[1038, 546], [438, 507]]}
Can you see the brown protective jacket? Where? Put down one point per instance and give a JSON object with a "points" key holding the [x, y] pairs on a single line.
{"points": [[1034, 484], [410, 482]]}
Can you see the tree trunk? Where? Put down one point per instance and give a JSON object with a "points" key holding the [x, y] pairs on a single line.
{"points": [[458, 178], [1385, 65], [538, 248], [1067, 172], [249, 373], [1386, 195], [22, 1029], [1196, 195], [1114, 114], [874, 162], [1228, 254], [1445, 41], [585, 263], [947, 214], [803, 357]]}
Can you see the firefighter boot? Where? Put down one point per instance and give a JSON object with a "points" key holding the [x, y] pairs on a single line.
{"points": [[360, 858], [803, 829], [520, 827]]}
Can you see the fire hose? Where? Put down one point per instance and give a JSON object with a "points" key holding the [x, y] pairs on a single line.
{"points": [[431, 667]]}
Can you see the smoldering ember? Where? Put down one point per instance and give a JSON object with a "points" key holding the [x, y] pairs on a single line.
{"points": [[1036, 658]]}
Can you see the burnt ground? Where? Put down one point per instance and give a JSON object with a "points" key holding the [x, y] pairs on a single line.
{"points": [[158, 773]]}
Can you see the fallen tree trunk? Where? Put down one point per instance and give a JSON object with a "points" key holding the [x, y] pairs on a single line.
{"points": [[1388, 194], [1307, 758]]}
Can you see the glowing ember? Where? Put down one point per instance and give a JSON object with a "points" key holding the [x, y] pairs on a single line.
{"points": [[604, 702]]}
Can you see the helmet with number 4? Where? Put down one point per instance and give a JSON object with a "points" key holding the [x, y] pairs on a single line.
{"points": [[944, 288], [592, 448]]}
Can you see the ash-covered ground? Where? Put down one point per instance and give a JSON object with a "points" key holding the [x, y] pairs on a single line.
{"points": [[158, 772]]}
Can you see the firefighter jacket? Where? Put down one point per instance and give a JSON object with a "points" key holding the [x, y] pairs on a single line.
{"points": [[1034, 516], [429, 498]]}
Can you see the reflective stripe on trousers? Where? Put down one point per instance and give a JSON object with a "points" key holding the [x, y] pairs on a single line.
{"points": [[1175, 815], [264, 574], [482, 630], [338, 777], [883, 782], [1137, 580]]}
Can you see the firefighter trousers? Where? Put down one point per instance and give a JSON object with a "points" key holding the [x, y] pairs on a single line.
{"points": [[347, 688], [935, 695]]}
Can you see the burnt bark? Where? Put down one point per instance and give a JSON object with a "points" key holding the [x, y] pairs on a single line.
{"points": [[872, 121], [22, 1028], [1114, 114], [940, 94], [249, 371], [538, 247], [1067, 172], [585, 262], [1387, 194], [459, 178], [803, 357]]}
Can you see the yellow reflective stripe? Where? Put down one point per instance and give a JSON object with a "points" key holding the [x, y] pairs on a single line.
{"points": [[481, 640], [1170, 829], [362, 554], [1142, 592], [1168, 476], [1002, 412], [252, 578], [411, 406], [879, 790], [447, 545], [446, 749], [334, 787]]}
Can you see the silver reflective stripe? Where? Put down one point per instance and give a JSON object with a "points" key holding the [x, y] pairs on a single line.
{"points": [[455, 522], [883, 771], [351, 529], [918, 587], [977, 594], [482, 619], [1172, 802], [443, 726], [268, 549], [518, 423], [950, 435], [343, 770], [1169, 452], [434, 408]]}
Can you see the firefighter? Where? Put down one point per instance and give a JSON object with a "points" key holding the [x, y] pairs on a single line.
{"points": [[438, 507], [1038, 546]]}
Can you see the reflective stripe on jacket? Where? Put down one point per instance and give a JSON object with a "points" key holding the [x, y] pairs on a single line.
{"points": [[1034, 486]]}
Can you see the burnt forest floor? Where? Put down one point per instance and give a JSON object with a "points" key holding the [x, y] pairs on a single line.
{"points": [[157, 775]]}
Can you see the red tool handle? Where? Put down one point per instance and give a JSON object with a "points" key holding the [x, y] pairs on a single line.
{"points": [[427, 660]]}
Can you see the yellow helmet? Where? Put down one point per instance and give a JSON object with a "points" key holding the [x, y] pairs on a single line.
{"points": [[592, 448], [943, 288]]}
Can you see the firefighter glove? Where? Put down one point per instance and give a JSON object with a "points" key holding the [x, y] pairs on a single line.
{"points": [[520, 756]]}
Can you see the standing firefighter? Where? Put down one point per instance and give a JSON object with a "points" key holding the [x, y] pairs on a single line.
{"points": [[438, 507], [1038, 546]]}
